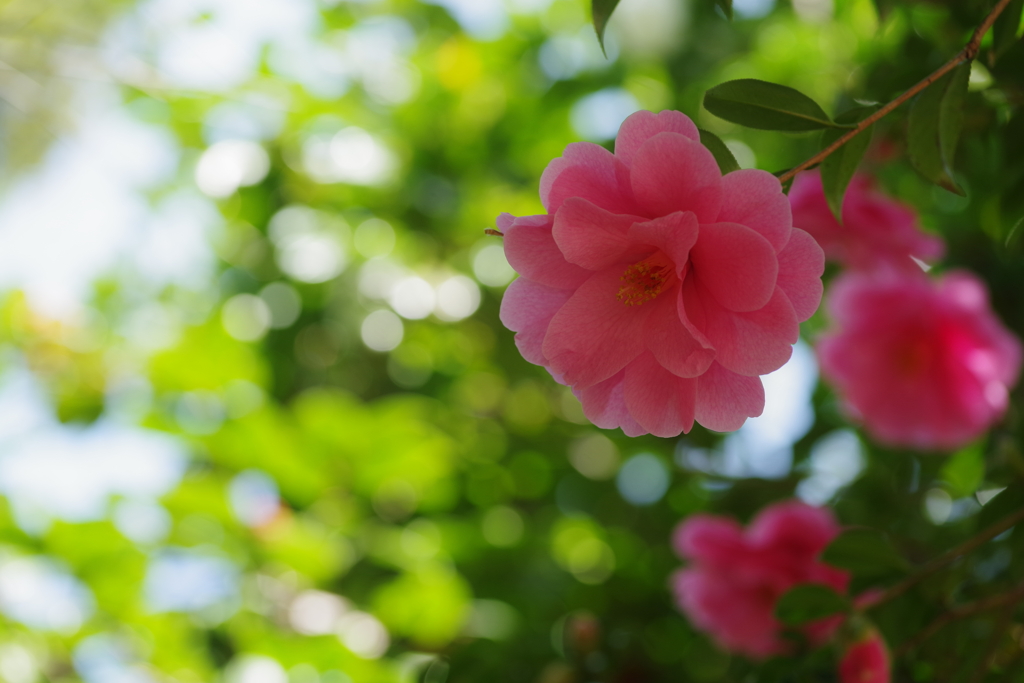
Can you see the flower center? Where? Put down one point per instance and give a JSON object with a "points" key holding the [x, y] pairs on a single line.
{"points": [[646, 279], [914, 357]]}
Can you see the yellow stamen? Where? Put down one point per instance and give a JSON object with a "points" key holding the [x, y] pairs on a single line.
{"points": [[645, 279]]}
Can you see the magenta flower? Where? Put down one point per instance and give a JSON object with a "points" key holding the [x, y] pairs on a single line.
{"points": [[876, 230], [922, 363], [656, 288], [736, 577], [866, 661]]}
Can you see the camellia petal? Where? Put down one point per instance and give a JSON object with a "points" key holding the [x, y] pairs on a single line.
{"points": [[527, 308], [683, 352], [876, 230], [736, 265], [725, 400], [753, 343], [531, 250], [674, 234], [604, 404], [714, 539], [739, 616], [673, 173], [594, 335], [756, 201], [593, 238], [641, 126], [801, 264], [590, 172], [662, 403]]}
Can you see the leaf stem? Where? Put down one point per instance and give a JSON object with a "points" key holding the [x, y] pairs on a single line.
{"points": [[1007, 600], [969, 52], [968, 546]]}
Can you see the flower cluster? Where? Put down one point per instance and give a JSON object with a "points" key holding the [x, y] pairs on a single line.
{"points": [[736, 576], [655, 287], [921, 362]]}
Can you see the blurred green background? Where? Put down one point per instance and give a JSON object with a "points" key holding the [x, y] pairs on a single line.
{"points": [[259, 422]]}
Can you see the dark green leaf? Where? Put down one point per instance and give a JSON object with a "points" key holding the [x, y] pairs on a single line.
{"points": [[808, 602], [726, 7], [838, 168], [601, 11], [766, 106], [1004, 31], [726, 161], [934, 127], [951, 118], [863, 551], [1008, 502]]}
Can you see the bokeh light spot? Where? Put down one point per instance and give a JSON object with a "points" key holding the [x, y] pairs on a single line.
{"points": [[226, 166], [491, 267], [643, 479]]}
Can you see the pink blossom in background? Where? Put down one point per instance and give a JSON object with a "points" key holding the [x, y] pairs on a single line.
{"points": [[876, 230], [866, 661], [922, 363], [656, 288], [736, 576]]}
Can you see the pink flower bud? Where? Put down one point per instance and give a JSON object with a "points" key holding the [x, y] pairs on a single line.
{"points": [[866, 661]]}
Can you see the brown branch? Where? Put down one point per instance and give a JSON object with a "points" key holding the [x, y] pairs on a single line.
{"points": [[492, 231], [968, 546], [969, 52], [961, 612]]}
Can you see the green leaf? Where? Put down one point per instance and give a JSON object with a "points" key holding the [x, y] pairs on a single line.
{"points": [[1004, 31], [765, 106], [863, 551], [726, 161], [965, 470], [601, 12], [838, 168], [809, 602], [934, 125], [725, 6]]}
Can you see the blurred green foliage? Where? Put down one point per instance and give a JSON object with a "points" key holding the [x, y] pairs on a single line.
{"points": [[445, 511]]}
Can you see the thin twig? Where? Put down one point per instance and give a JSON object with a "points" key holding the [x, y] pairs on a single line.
{"points": [[941, 561], [492, 231], [961, 612], [969, 52]]}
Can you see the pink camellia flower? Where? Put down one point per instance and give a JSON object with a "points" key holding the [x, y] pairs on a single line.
{"points": [[922, 363], [736, 577], [866, 661], [656, 288], [876, 230]]}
